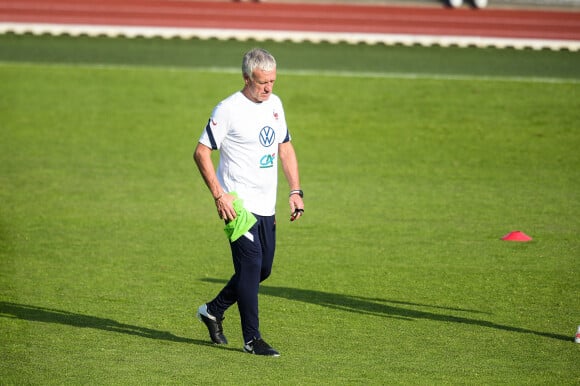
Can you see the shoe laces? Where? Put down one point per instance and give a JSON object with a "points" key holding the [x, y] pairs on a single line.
{"points": [[258, 343]]}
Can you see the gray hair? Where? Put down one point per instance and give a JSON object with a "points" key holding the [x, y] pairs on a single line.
{"points": [[257, 58]]}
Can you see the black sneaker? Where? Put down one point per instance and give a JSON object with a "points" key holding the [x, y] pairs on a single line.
{"points": [[214, 326], [260, 347]]}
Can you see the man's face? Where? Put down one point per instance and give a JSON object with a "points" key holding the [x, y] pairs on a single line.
{"points": [[259, 87]]}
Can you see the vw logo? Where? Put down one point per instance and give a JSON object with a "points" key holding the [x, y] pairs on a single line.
{"points": [[267, 136]]}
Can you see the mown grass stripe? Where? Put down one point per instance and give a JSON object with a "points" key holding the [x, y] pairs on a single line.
{"points": [[342, 74]]}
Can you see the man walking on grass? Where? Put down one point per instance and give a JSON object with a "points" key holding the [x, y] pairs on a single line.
{"points": [[249, 130]]}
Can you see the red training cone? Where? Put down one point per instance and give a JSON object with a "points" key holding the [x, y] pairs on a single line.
{"points": [[516, 236]]}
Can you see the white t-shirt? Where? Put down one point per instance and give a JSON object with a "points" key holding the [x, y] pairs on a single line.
{"points": [[247, 135]]}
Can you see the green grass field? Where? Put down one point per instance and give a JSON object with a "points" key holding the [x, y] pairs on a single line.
{"points": [[109, 239]]}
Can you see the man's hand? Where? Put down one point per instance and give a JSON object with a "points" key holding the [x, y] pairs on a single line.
{"points": [[296, 207], [225, 207]]}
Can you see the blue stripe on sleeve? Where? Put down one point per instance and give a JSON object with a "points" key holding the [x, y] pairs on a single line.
{"points": [[210, 135]]}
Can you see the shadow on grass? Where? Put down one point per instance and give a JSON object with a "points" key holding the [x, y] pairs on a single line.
{"points": [[48, 315], [388, 308]]}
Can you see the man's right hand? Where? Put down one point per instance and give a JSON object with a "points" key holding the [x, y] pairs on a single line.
{"points": [[225, 207]]}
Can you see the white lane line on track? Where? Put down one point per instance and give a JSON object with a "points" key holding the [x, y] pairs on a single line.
{"points": [[293, 36]]}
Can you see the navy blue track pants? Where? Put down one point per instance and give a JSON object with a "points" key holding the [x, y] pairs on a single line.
{"points": [[253, 261]]}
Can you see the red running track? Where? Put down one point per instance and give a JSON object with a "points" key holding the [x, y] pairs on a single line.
{"points": [[380, 19]]}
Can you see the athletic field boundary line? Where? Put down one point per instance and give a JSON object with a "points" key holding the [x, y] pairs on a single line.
{"points": [[343, 74], [292, 36]]}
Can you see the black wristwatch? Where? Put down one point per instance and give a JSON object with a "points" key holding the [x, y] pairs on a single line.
{"points": [[298, 192]]}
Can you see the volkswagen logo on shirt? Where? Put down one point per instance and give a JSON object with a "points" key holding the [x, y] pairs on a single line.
{"points": [[267, 136]]}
